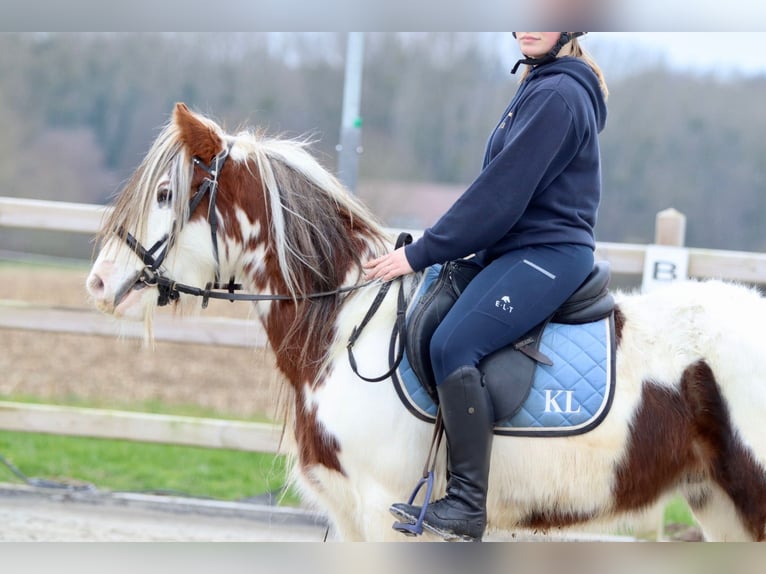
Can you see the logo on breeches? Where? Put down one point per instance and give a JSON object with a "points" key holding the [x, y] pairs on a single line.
{"points": [[504, 303]]}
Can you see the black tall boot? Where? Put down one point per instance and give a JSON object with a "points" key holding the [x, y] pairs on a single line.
{"points": [[468, 422]]}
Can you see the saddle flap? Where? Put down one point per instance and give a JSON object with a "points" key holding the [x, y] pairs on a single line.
{"points": [[429, 311], [509, 372]]}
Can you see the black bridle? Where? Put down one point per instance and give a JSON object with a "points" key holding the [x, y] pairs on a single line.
{"points": [[153, 274]]}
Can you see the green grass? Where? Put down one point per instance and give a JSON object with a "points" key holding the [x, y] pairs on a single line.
{"points": [[678, 512], [117, 465]]}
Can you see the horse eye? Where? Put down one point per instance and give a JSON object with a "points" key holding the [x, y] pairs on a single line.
{"points": [[164, 196]]}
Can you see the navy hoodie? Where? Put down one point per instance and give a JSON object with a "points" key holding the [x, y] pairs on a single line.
{"points": [[541, 178]]}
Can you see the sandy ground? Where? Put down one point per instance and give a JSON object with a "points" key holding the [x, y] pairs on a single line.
{"points": [[30, 515], [118, 373]]}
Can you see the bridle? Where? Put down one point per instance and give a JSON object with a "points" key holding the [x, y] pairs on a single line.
{"points": [[153, 274]]}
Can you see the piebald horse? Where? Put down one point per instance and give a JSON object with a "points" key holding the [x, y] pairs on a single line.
{"points": [[206, 207]]}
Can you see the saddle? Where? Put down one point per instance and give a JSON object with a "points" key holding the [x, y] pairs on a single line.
{"points": [[509, 372]]}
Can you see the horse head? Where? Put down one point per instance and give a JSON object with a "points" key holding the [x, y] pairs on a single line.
{"points": [[160, 222], [205, 207]]}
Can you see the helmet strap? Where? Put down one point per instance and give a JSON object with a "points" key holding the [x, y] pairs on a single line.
{"points": [[564, 39]]}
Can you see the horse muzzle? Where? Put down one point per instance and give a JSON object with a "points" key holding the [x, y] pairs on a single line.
{"points": [[107, 298]]}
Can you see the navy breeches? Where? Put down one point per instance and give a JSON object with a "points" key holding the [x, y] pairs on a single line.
{"points": [[505, 300]]}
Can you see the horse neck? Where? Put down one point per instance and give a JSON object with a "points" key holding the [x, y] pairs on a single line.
{"points": [[302, 332], [295, 236], [308, 336]]}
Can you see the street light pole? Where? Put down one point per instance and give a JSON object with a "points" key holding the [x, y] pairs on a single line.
{"points": [[350, 146]]}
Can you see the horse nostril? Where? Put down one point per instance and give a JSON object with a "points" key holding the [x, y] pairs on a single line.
{"points": [[95, 284]]}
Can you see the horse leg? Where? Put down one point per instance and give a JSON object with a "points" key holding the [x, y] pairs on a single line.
{"points": [[358, 512], [732, 512], [717, 515], [319, 489], [377, 522], [736, 496]]}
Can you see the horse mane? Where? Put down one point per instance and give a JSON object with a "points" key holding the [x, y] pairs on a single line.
{"points": [[311, 214], [320, 235], [313, 218]]}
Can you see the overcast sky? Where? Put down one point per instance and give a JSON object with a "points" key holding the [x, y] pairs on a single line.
{"points": [[703, 51], [724, 54], [379, 15]]}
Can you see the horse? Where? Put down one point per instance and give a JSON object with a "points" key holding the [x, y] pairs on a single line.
{"points": [[206, 206]]}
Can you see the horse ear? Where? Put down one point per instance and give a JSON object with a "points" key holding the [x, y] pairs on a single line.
{"points": [[199, 135]]}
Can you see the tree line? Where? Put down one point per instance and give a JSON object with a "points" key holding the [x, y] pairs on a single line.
{"points": [[78, 111]]}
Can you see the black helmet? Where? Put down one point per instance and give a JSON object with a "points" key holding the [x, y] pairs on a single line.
{"points": [[564, 39]]}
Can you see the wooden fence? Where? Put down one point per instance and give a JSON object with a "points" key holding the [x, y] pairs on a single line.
{"points": [[632, 259]]}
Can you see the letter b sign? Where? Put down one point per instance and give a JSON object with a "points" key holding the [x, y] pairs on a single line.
{"points": [[663, 265]]}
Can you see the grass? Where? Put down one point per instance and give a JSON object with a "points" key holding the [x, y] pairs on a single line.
{"points": [[128, 466], [678, 512], [143, 467]]}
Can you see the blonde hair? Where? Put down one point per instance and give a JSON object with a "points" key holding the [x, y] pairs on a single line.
{"points": [[575, 50]]}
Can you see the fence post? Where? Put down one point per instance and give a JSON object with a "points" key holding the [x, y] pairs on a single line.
{"points": [[667, 260], [670, 228]]}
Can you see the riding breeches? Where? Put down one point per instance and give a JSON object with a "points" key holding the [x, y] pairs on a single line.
{"points": [[507, 298]]}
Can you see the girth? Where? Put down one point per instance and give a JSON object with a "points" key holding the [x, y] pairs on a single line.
{"points": [[508, 372]]}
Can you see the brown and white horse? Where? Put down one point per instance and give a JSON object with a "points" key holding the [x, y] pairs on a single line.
{"points": [[688, 411]]}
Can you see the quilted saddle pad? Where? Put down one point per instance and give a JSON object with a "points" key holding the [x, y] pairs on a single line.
{"points": [[570, 397]]}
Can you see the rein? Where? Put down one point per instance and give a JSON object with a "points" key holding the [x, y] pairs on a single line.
{"points": [[399, 331]]}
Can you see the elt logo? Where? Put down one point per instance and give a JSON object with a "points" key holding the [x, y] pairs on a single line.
{"points": [[504, 303]]}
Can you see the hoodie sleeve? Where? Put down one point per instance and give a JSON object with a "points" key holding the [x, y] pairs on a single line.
{"points": [[539, 142]]}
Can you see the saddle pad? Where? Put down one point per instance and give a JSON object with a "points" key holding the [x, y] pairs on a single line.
{"points": [[570, 397]]}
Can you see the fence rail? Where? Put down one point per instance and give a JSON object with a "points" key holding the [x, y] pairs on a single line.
{"points": [[81, 218], [50, 215], [200, 330], [141, 427]]}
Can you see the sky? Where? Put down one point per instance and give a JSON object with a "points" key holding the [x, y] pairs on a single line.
{"points": [[702, 51], [723, 54], [373, 15]]}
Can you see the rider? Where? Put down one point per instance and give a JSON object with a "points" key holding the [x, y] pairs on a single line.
{"points": [[529, 218]]}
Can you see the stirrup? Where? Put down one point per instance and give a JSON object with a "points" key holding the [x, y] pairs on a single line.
{"points": [[417, 528]]}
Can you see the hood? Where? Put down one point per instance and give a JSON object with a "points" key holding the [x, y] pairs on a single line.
{"points": [[584, 75]]}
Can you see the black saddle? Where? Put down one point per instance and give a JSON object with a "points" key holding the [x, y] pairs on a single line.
{"points": [[509, 372]]}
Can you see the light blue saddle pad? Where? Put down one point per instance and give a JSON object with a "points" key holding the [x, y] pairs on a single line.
{"points": [[570, 397]]}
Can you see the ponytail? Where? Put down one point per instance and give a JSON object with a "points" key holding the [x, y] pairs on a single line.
{"points": [[575, 50]]}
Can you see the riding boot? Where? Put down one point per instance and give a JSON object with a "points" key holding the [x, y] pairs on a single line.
{"points": [[468, 421]]}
